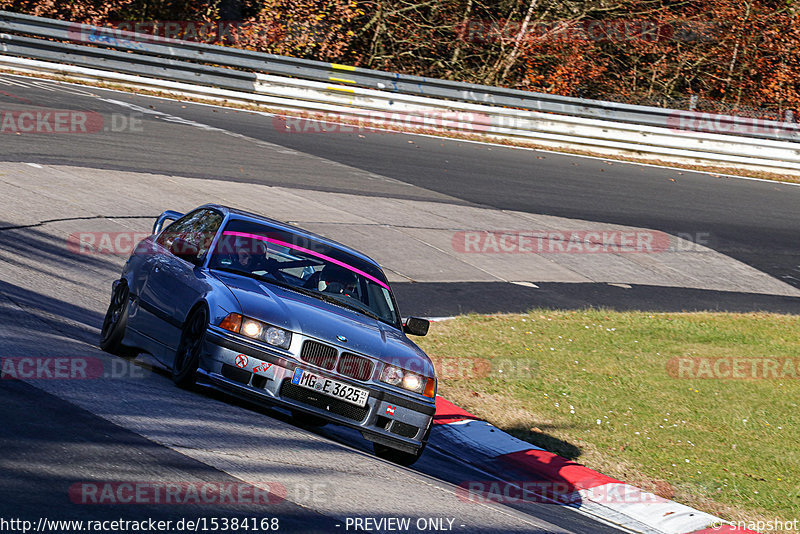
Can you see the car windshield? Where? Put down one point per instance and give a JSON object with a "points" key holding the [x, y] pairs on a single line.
{"points": [[305, 265]]}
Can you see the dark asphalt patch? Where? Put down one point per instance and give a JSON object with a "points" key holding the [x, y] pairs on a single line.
{"points": [[456, 298]]}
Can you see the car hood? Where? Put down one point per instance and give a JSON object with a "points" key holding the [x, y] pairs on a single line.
{"points": [[324, 321]]}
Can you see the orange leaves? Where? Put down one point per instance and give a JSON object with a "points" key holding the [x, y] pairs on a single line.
{"points": [[733, 54]]}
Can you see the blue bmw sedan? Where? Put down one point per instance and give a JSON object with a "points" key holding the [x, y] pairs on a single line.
{"points": [[274, 314]]}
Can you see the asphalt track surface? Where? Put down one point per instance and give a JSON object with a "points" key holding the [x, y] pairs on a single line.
{"points": [[754, 222], [132, 425], [49, 445], [54, 435]]}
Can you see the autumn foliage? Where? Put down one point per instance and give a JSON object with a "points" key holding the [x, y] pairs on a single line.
{"points": [[719, 55]]}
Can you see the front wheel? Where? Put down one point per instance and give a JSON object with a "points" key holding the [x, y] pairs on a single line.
{"points": [[115, 323], [308, 420], [395, 456], [187, 357]]}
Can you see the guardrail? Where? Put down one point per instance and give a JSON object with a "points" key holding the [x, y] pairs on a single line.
{"points": [[320, 71], [350, 91]]}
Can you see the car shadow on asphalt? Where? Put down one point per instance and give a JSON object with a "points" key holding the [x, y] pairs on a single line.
{"points": [[52, 254], [21, 306]]}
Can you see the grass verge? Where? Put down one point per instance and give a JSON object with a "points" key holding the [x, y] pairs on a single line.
{"points": [[606, 388]]}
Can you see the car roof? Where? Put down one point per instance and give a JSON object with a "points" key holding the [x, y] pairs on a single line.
{"points": [[249, 216]]}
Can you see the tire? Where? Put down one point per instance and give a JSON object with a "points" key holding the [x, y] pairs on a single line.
{"points": [[115, 323], [398, 457], [308, 420], [187, 356]]}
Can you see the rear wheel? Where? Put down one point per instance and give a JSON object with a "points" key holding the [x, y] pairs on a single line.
{"points": [[116, 322], [187, 357]]}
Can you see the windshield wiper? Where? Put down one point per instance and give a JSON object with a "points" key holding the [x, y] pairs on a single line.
{"points": [[333, 299], [354, 305]]}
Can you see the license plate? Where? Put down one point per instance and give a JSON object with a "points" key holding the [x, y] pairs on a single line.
{"points": [[330, 387]]}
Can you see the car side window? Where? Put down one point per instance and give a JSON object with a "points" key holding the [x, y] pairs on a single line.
{"points": [[202, 234], [196, 228], [178, 228]]}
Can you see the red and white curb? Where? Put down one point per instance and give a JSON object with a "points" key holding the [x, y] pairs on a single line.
{"points": [[531, 473]]}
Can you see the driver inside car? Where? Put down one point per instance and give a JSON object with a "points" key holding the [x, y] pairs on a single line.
{"points": [[250, 255], [337, 280]]}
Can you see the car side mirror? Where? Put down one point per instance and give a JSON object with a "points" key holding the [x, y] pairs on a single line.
{"points": [[168, 215], [416, 326], [185, 250]]}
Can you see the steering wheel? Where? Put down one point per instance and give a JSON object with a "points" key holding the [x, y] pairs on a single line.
{"points": [[312, 282], [272, 266]]}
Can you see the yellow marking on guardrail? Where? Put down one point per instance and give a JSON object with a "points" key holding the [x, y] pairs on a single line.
{"points": [[345, 89], [341, 80], [342, 67]]}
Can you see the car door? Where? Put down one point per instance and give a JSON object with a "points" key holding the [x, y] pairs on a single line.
{"points": [[175, 283]]}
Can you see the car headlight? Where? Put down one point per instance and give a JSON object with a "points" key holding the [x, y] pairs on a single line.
{"points": [[251, 328], [257, 330], [412, 382], [277, 336], [396, 376], [392, 375]]}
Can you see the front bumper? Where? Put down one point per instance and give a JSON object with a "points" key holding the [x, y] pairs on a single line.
{"points": [[264, 376]]}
